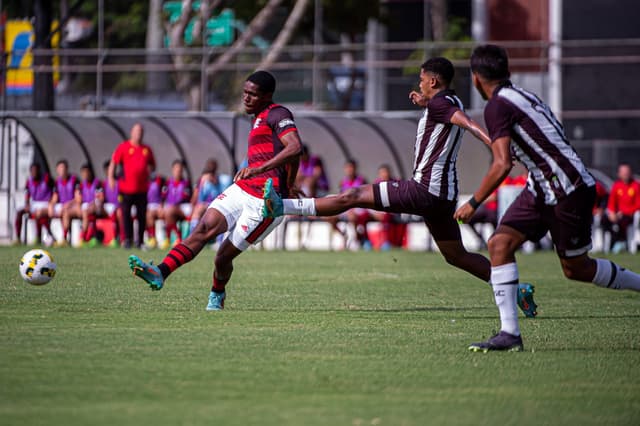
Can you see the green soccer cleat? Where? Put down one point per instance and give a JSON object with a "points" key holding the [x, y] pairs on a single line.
{"points": [[525, 300], [147, 271], [272, 206], [216, 301]]}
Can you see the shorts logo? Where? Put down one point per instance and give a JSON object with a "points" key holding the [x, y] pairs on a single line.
{"points": [[395, 184], [286, 122], [257, 123], [245, 228], [221, 196], [575, 240]]}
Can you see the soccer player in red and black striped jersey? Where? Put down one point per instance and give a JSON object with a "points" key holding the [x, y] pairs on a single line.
{"points": [[559, 197], [432, 192], [273, 153]]}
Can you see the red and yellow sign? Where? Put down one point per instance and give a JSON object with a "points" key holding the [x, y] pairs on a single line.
{"points": [[18, 41]]}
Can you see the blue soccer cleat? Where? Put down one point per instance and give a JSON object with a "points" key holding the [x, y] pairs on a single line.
{"points": [[147, 271], [272, 206], [525, 300], [216, 301], [502, 341]]}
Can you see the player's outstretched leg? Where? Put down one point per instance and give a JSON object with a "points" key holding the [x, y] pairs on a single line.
{"points": [[273, 206], [147, 271]]}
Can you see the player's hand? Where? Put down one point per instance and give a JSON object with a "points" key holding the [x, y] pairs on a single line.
{"points": [[296, 192], [417, 98], [112, 183], [464, 213], [246, 173]]}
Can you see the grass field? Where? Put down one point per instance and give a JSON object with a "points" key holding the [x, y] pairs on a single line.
{"points": [[309, 339]]}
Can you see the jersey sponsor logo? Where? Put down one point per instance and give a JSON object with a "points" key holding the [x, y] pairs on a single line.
{"points": [[257, 123], [221, 196], [286, 122]]}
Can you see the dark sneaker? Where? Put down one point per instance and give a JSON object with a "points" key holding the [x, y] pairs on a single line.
{"points": [[502, 341], [525, 300]]}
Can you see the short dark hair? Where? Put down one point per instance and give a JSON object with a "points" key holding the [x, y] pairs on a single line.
{"points": [[264, 80], [490, 62], [106, 164], [176, 162], [442, 67], [65, 162], [352, 162]]}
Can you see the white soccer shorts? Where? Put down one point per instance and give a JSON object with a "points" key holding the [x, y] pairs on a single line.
{"points": [[243, 213]]}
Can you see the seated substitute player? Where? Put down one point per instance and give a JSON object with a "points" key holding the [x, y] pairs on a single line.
{"points": [[110, 208], [273, 152], [64, 191], [559, 196], [210, 185], [155, 197], [87, 194], [433, 190], [38, 193], [177, 203]]}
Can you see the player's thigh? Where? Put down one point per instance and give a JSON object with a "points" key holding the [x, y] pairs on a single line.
{"points": [[229, 204], [570, 223], [251, 227], [526, 215]]}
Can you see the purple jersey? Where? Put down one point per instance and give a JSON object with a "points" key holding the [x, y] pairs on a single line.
{"points": [[178, 192], [155, 194], [539, 142], [39, 190], [110, 194], [66, 188], [306, 169], [347, 183], [437, 145], [89, 190]]}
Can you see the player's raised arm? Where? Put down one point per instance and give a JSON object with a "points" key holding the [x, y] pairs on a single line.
{"points": [[461, 119], [499, 169]]}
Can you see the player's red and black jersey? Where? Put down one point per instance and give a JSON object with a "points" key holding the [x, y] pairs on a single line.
{"points": [[269, 126]]}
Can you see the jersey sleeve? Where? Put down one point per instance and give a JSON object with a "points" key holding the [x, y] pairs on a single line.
{"points": [[281, 121], [498, 116], [116, 158], [441, 109]]}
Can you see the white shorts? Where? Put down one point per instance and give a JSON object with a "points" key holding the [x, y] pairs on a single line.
{"points": [[243, 213], [186, 209], [57, 209], [34, 206], [153, 206], [109, 208]]}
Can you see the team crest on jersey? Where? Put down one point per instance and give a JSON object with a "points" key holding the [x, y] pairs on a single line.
{"points": [[257, 123], [286, 122], [145, 152], [131, 151]]}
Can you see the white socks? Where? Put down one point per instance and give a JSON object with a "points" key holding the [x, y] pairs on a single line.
{"points": [[610, 275], [504, 280], [299, 206]]}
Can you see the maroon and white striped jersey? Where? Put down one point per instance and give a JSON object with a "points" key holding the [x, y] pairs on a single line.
{"points": [[538, 142], [437, 145]]}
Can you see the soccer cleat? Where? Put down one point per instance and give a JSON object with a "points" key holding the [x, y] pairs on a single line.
{"points": [[93, 242], [216, 301], [61, 243], [525, 300], [152, 243], [502, 341], [113, 243], [272, 206], [165, 244], [147, 271]]}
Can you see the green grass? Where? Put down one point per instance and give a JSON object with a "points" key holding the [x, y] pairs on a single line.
{"points": [[309, 339]]}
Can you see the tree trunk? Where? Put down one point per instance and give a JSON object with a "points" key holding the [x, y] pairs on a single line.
{"points": [[156, 81], [255, 26], [42, 95], [439, 19]]}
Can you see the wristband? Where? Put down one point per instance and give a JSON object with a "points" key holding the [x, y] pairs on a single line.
{"points": [[474, 203]]}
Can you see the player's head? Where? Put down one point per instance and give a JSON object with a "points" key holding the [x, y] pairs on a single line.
{"points": [[435, 74], [62, 168], [137, 132], [350, 168], [384, 172], [210, 166], [86, 173], [258, 91], [625, 172], [105, 166], [489, 64], [177, 167], [35, 171]]}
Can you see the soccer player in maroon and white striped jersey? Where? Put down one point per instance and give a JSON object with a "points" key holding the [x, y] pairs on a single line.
{"points": [[433, 191], [558, 199], [273, 153]]}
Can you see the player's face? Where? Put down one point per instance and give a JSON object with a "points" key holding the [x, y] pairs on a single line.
{"points": [[176, 171], [383, 174], [253, 99], [478, 86], [624, 173], [136, 133], [424, 83], [85, 174], [34, 171], [349, 170], [61, 170]]}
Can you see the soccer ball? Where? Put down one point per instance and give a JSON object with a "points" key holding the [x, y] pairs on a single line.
{"points": [[37, 267]]}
